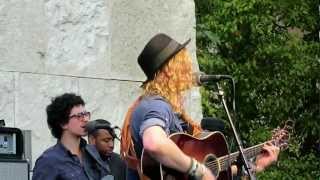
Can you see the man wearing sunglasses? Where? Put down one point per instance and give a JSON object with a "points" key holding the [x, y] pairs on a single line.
{"points": [[102, 134], [70, 158]]}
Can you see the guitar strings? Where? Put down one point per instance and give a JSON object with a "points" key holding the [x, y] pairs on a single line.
{"points": [[225, 160]]}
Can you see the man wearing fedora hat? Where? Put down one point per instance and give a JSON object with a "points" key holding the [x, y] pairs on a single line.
{"points": [[159, 111]]}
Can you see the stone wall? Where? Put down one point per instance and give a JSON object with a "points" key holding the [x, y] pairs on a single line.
{"points": [[90, 47]]}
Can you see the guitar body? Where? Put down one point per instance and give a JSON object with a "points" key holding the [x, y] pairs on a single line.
{"points": [[207, 148], [210, 149]]}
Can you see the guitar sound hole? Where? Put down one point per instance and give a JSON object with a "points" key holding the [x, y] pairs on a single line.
{"points": [[212, 164]]}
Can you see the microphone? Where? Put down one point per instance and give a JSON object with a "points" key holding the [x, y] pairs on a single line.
{"points": [[212, 124], [201, 78]]}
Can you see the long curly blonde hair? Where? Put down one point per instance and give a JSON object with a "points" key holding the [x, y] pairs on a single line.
{"points": [[172, 80]]}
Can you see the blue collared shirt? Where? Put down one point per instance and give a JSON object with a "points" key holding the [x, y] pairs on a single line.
{"points": [[58, 163]]}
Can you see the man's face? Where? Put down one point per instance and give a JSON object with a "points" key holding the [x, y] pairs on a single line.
{"points": [[104, 142], [78, 119]]}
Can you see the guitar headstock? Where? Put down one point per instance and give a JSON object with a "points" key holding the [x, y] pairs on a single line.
{"points": [[281, 136]]}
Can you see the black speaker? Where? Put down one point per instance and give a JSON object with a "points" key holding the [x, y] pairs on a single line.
{"points": [[11, 143]]}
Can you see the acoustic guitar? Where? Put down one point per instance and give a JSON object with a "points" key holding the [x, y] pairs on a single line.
{"points": [[210, 149]]}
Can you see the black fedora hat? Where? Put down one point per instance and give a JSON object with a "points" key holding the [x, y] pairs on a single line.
{"points": [[157, 52]]}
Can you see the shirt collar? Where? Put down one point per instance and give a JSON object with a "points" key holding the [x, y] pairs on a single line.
{"points": [[66, 151]]}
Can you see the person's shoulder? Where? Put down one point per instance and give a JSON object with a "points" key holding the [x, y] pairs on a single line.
{"points": [[51, 151], [116, 156], [156, 98], [50, 156], [92, 151], [155, 102], [91, 148], [116, 159]]}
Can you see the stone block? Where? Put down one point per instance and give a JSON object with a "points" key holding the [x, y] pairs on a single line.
{"points": [[23, 36], [79, 38], [133, 23], [7, 97]]}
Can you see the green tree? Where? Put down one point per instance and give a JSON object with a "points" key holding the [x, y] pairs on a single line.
{"points": [[272, 50]]}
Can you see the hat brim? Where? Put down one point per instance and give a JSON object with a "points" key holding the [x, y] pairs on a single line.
{"points": [[169, 57]]}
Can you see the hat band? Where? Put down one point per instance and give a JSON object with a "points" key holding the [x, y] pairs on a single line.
{"points": [[165, 53]]}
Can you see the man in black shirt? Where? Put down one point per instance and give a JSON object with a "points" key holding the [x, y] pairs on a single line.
{"points": [[102, 135]]}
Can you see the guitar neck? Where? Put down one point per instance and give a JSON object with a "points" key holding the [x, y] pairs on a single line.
{"points": [[226, 161]]}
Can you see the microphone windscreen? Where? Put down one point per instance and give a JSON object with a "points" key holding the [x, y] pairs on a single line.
{"points": [[212, 124]]}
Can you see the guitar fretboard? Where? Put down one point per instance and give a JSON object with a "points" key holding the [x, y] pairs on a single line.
{"points": [[224, 162]]}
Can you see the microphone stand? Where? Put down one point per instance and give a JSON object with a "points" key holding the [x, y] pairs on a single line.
{"points": [[242, 156]]}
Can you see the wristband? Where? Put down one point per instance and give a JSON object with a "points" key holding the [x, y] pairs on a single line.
{"points": [[196, 170], [193, 166]]}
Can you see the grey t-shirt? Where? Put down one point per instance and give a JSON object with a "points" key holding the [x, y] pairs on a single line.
{"points": [[153, 111]]}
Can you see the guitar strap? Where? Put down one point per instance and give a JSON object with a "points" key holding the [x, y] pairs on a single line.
{"points": [[127, 151]]}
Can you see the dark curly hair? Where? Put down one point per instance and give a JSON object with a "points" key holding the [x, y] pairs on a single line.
{"points": [[59, 110]]}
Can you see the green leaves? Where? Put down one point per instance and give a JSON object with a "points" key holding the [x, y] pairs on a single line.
{"points": [[272, 50]]}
